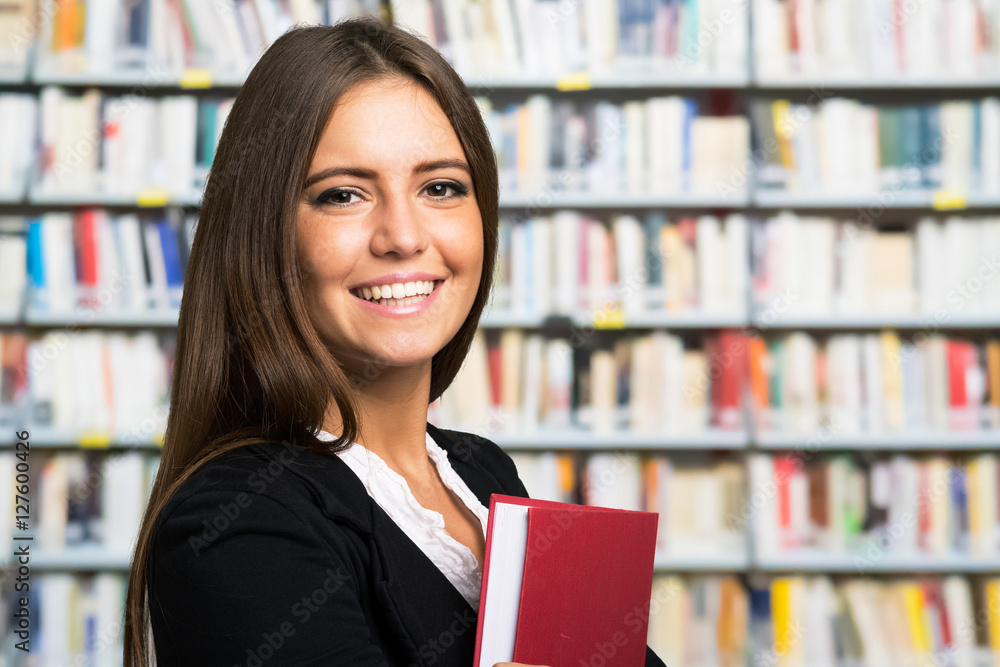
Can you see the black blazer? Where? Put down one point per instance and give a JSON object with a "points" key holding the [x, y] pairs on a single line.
{"points": [[272, 555]]}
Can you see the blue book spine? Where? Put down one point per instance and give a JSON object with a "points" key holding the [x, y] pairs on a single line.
{"points": [[691, 112], [36, 265], [960, 506], [171, 256]]}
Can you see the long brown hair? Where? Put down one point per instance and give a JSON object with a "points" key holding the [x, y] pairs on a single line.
{"points": [[249, 365]]}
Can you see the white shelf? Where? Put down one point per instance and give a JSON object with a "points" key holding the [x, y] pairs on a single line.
{"points": [[619, 80], [877, 322], [735, 561], [90, 557], [149, 78], [48, 437], [648, 319], [896, 83], [769, 198], [39, 197], [551, 200], [152, 78], [545, 440], [151, 318], [960, 440], [860, 564]]}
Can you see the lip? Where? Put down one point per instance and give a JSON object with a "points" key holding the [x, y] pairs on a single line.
{"points": [[401, 311], [399, 277]]}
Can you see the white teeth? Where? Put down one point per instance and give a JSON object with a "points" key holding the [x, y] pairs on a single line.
{"points": [[397, 294]]}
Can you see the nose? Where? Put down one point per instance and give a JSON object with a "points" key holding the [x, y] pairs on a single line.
{"points": [[400, 226]]}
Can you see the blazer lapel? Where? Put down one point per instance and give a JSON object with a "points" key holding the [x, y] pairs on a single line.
{"points": [[434, 622]]}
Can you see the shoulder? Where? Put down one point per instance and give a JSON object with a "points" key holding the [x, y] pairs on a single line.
{"points": [[258, 469], [256, 486]]}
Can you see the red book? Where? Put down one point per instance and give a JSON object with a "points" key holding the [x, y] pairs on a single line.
{"points": [[957, 395], [961, 358], [729, 361], [565, 583], [87, 255], [784, 469], [494, 360]]}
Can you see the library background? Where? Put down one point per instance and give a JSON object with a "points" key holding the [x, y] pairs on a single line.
{"points": [[748, 280]]}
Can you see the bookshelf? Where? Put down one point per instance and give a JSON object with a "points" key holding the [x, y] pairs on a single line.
{"points": [[701, 447]]}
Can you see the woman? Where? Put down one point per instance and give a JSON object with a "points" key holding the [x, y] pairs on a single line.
{"points": [[305, 512]]}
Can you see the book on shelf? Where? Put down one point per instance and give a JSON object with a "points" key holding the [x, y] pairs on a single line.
{"points": [[16, 26], [18, 122], [937, 269], [520, 382], [700, 620], [874, 384], [554, 582], [140, 149], [875, 509], [660, 146], [846, 148], [573, 264], [165, 41], [83, 502], [13, 274], [88, 386], [827, 40], [77, 619], [798, 621], [90, 264], [528, 38]]}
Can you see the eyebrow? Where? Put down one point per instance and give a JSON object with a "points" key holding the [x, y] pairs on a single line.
{"points": [[361, 172]]}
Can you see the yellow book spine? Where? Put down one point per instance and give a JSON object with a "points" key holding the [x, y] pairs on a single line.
{"points": [[913, 597], [783, 130], [993, 617], [782, 617]]}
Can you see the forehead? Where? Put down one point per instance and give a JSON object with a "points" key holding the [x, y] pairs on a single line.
{"points": [[391, 121]]}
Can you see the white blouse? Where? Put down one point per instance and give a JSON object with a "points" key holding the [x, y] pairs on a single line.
{"points": [[424, 526]]}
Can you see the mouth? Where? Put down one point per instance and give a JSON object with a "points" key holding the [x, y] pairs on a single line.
{"points": [[397, 294]]}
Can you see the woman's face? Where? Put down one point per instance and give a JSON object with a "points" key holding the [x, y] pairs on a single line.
{"points": [[388, 208]]}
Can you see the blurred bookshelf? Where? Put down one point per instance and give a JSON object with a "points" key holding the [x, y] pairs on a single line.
{"points": [[797, 328]]}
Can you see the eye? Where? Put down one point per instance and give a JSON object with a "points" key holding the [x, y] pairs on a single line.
{"points": [[438, 190], [337, 197]]}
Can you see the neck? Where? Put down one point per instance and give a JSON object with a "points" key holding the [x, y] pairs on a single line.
{"points": [[392, 411]]}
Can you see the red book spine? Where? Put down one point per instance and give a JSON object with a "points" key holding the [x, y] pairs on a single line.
{"points": [[89, 249], [730, 366], [784, 468], [924, 506], [494, 360], [957, 395]]}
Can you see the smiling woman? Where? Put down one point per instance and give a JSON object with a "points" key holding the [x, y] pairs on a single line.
{"points": [[304, 511]]}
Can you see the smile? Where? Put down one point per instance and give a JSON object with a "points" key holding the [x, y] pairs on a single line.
{"points": [[398, 294]]}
